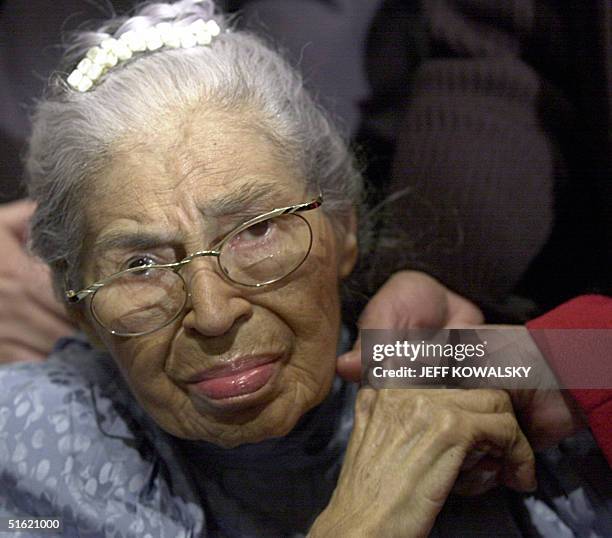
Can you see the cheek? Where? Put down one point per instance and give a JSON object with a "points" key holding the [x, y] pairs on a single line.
{"points": [[309, 303], [312, 311], [321, 298], [141, 361]]}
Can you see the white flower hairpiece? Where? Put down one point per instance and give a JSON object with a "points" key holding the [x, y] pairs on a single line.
{"points": [[111, 52]]}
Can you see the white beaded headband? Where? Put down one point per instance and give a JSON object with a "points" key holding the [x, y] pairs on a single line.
{"points": [[111, 52]]}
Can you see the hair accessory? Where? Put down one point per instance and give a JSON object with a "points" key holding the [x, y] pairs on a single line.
{"points": [[111, 52]]}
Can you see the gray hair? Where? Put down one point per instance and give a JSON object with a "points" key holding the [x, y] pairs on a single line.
{"points": [[73, 132]]}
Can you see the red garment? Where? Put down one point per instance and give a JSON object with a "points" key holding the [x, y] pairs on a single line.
{"points": [[586, 312]]}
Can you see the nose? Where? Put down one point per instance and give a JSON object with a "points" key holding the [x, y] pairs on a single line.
{"points": [[215, 305]]}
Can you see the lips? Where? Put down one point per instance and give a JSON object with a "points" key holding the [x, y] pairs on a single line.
{"points": [[241, 376]]}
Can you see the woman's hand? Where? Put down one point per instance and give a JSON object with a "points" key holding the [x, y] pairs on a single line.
{"points": [[405, 454], [411, 299], [31, 318]]}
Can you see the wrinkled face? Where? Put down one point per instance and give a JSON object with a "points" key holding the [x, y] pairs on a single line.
{"points": [[239, 364]]}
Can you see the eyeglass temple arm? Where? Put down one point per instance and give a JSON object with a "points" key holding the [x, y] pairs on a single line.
{"points": [[302, 207], [74, 297], [311, 205]]}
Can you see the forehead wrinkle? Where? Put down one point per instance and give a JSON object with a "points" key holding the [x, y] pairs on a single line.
{"points": [[201, 173], [199, 139]]}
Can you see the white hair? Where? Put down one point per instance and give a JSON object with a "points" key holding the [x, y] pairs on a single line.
{"points": [[73, 132]]}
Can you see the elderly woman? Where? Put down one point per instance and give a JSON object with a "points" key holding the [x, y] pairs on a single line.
{"points": [[198, 212]]}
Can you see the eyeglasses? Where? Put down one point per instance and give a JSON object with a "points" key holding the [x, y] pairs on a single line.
{"points": [[147, 297]]}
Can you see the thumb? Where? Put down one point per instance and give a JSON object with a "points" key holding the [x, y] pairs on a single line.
{"points": [[348, 365]]}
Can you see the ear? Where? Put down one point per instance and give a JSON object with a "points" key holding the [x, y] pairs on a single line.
{"points": [[348, 249]]}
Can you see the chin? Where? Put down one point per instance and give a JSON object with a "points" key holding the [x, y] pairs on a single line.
{"points": [[227, 437], [269, 423]]}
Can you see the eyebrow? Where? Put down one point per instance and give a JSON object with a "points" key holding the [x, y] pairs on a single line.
{"points": [[138, 240], [254, 198]]}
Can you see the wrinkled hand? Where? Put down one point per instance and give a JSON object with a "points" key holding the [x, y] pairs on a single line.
{"points": [[405, 454], [409, 300], [31, 319]]}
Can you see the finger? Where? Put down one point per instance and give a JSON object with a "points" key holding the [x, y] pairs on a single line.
{"points": [[364, 405], [503, 432], [36, 339], [32, 327], [49, 326], [461, 312], [16, 352], [27, 300], [15, 260], [40, 291], [481, 400], [409, 299], [379, 313], [348, 365], [25, 274], [53, 308]]}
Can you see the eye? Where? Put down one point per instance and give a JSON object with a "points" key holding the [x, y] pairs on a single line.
{"points": [[139, 261], [254, 236], [256, 231]]}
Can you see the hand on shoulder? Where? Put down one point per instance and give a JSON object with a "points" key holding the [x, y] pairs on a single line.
{"points": [[31, 318]]}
